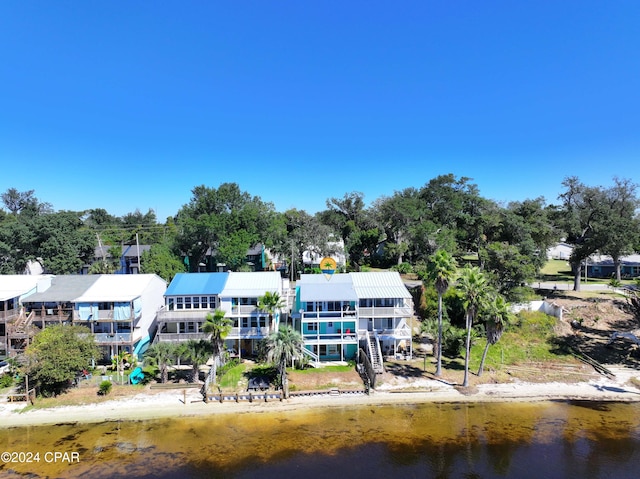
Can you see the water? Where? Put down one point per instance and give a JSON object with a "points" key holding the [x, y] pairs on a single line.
{"points": [[537, 440]]}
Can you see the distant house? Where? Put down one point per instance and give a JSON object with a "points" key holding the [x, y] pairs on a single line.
{"points": [[560, 251], [602, 266], [191, 296], [340, 314], [13, 290], [128, 262], [120, 310]]}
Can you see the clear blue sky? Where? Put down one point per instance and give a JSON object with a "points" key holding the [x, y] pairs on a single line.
{"points": [[129, 105]]}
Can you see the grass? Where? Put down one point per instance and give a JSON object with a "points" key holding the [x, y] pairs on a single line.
{"points": [[326, 369], [233, 377]]}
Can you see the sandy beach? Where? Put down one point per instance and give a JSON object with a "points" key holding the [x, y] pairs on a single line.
{"points": [[171, 403]]}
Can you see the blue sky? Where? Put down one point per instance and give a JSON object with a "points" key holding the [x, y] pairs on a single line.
{"points": [[129, 105]]}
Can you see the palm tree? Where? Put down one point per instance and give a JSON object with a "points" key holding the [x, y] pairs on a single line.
{"points": [[472, 285], [197, 352], [283, 347], [498, 317], [218, 327], [161, 355], [441, 270], [270, 303]]}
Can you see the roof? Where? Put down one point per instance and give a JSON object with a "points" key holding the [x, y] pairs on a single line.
{"points": [[318, 287], [384, 284], [352, 286], [15, 285], [133, 251], [251, 284], [64, 288], [186, 284], [116, 287]]}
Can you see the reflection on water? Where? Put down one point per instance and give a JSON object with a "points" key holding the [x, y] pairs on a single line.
{"points": [[551, 440]]}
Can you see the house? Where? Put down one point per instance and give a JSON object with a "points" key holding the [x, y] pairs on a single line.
{"points": [[14, 289], [560, 251], [120, 310], [602, 266], [191, 296], [341, 313], [127, 263]]}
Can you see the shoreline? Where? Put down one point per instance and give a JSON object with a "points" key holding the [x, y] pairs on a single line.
{"points": [[170, 404]]}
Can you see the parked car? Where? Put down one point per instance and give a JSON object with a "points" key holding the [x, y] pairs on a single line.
{"points": [[4, 367]]}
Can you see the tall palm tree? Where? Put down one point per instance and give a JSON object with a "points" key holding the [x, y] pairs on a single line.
{"points": [[218, 327], [498, 316], [441, 270], [283, 347], [270, 303], [472, 285], [161, 355], [197, 352]]}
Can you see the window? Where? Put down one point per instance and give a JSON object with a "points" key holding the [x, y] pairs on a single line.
{"points": [[179, 303], [187, 303], [312, 326], [196, 302]]}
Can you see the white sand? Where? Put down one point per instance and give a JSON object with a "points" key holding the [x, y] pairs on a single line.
{"points": [[404, 391]]}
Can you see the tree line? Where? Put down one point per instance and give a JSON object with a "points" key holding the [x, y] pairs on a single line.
{"points": [[401, 231]]}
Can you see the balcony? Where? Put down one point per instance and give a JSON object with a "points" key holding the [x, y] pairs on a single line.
{"points": [[183, 315], [243, 310], [385, 312], [328, 315], [177, 337], [249, 333], [113, 338], [330, 338]]}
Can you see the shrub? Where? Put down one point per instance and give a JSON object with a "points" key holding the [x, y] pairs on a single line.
{"points": [[105, 387], [6, 381]]}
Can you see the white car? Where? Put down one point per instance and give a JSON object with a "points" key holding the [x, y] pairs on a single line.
{"points": [[4, 367]]}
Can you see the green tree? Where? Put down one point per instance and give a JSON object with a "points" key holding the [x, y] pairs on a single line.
{"points": [[197, 352], [622, 225], [57, 354], [119, 361], [161, 260], [61, 242], [270, 303], [472, 286], [218, 327], [283, 347], [224, 221], [161, 355], [441, 270], [347, 216], [498, 316], [583, 218]]}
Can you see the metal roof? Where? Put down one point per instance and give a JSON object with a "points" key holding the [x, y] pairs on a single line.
{"points": [[318, 287], [116, 287], [251, 284], [15, 285], [383, 284], [64, 288], [197, 284]]}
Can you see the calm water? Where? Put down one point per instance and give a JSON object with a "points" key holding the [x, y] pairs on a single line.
{"points": [[539, 440]]}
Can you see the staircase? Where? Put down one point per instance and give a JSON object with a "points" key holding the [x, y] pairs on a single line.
{"points": [[21, 326], [375, 354]]}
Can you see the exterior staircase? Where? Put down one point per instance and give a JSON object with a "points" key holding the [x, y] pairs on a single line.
{"points": [[375, 353]]}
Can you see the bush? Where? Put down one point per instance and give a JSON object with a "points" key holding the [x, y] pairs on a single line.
{"points": [[6, 381], [105, 387]]}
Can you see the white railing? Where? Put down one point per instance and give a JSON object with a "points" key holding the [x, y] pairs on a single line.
{"points": [[387, 311], [180, 336]]}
